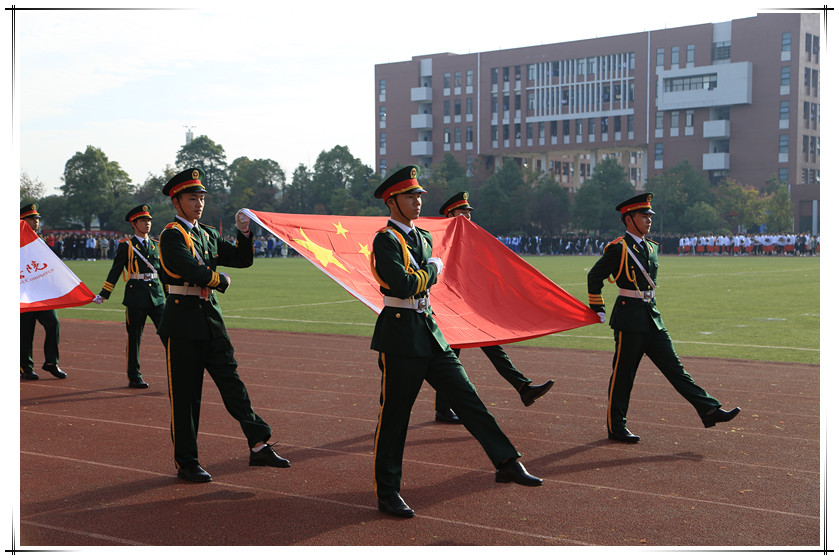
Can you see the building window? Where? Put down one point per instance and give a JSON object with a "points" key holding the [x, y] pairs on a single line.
{"points": [[689, 118], [674, 119], [804, 144], [659, 152], [446, 108], [531, 101], [531, 72], [591, 126], [721, 50], [685, 83], [674, 56], [659, 57], [784, 113], [529, 131], [506, 131], [518, 102], [469, 134], [632, 61], [493, 133], [690, 53], [493, 76], [493, 104], [447, 80], [382, 141], [457, 79], [468, 105], [806, 113], [447, 136], [617, 124], [591, 65], [382, 90], [785, 79], [604, 125], [468, 78], [506, 74], [783, 174], [659, 120], [382, 114], [783, 144], [806, 77], [382, 167], [786, 41], [815, 82], [457, 135], [630, 123], [457, 107]]}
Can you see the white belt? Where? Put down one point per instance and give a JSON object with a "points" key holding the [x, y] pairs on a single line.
{"points": [[417, 304], [144, 276], [203, 293], [646, 295]]}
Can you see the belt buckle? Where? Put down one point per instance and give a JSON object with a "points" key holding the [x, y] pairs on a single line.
{"points": [[422, 304], [648, 295]]}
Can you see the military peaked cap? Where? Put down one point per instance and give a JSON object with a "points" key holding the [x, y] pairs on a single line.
{"points": [[401, 182], [639, 203], [187, 181]]}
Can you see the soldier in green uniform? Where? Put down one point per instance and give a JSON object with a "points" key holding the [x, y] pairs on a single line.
{"points": [[138, 260], [48, 319], [412, 349], [194, 328], [458, 205], [632, 263]]}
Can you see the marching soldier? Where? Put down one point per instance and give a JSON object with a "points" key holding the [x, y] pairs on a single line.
{"points": [[194, 328], [632, 262], [48, 319], [458, 205], [138, 260], [412, 349]]}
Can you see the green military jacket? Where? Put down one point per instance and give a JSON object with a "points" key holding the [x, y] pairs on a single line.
{"points": [[629, 313], [398, 330], [139, 292], [189, 257]]}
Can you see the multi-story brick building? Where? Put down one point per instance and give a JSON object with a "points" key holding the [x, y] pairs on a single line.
{"points": [[736, 99]]}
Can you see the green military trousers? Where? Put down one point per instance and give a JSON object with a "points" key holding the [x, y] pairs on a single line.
{"points": [[186, 361], [502, 364], [630, 347], [52, 334], [135, 322], [402, 377]]}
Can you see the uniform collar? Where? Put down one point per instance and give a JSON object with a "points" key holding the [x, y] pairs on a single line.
{"points": [[185, 222], [638, 240], [402, 227]]}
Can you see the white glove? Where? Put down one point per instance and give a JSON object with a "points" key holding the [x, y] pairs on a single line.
{"points": [[438, 263], [602, 316], [227, 277], [243, 222], [99, 299]]}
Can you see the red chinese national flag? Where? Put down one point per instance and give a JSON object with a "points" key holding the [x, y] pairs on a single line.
{"points": [[45, 281], [486, 294]]}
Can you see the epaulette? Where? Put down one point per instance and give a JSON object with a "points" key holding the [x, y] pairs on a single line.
{"points": [[203, 225], [616, 240], [651, 241]]}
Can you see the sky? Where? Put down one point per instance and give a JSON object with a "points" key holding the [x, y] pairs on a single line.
{"points": [[281, 83]]}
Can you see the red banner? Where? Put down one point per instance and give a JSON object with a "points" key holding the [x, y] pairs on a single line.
{"points": [[45, 281], [486, 294]]}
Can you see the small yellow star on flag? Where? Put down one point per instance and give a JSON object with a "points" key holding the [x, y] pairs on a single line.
{"points": [[340, 230], [364, 250], [322, 254]]}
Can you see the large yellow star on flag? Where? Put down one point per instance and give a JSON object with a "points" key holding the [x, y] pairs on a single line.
{"points": [[339, 229], [322, 254]]}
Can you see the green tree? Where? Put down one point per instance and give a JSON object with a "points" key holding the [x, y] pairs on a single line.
{"points": [[676, 190], [550, 209], [209, 157], [594, 205], [338, 177], [778, 206], [256, 184], [298, 194], [699, 217], [94, 187], [443, 181], [30, 189], [740, 206], [504, 200]]}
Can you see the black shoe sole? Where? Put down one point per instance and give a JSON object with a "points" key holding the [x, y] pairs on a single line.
{"points": [[624, 440], [403, 514]]}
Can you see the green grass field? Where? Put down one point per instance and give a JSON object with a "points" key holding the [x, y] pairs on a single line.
{"points": [[754, 308]]}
